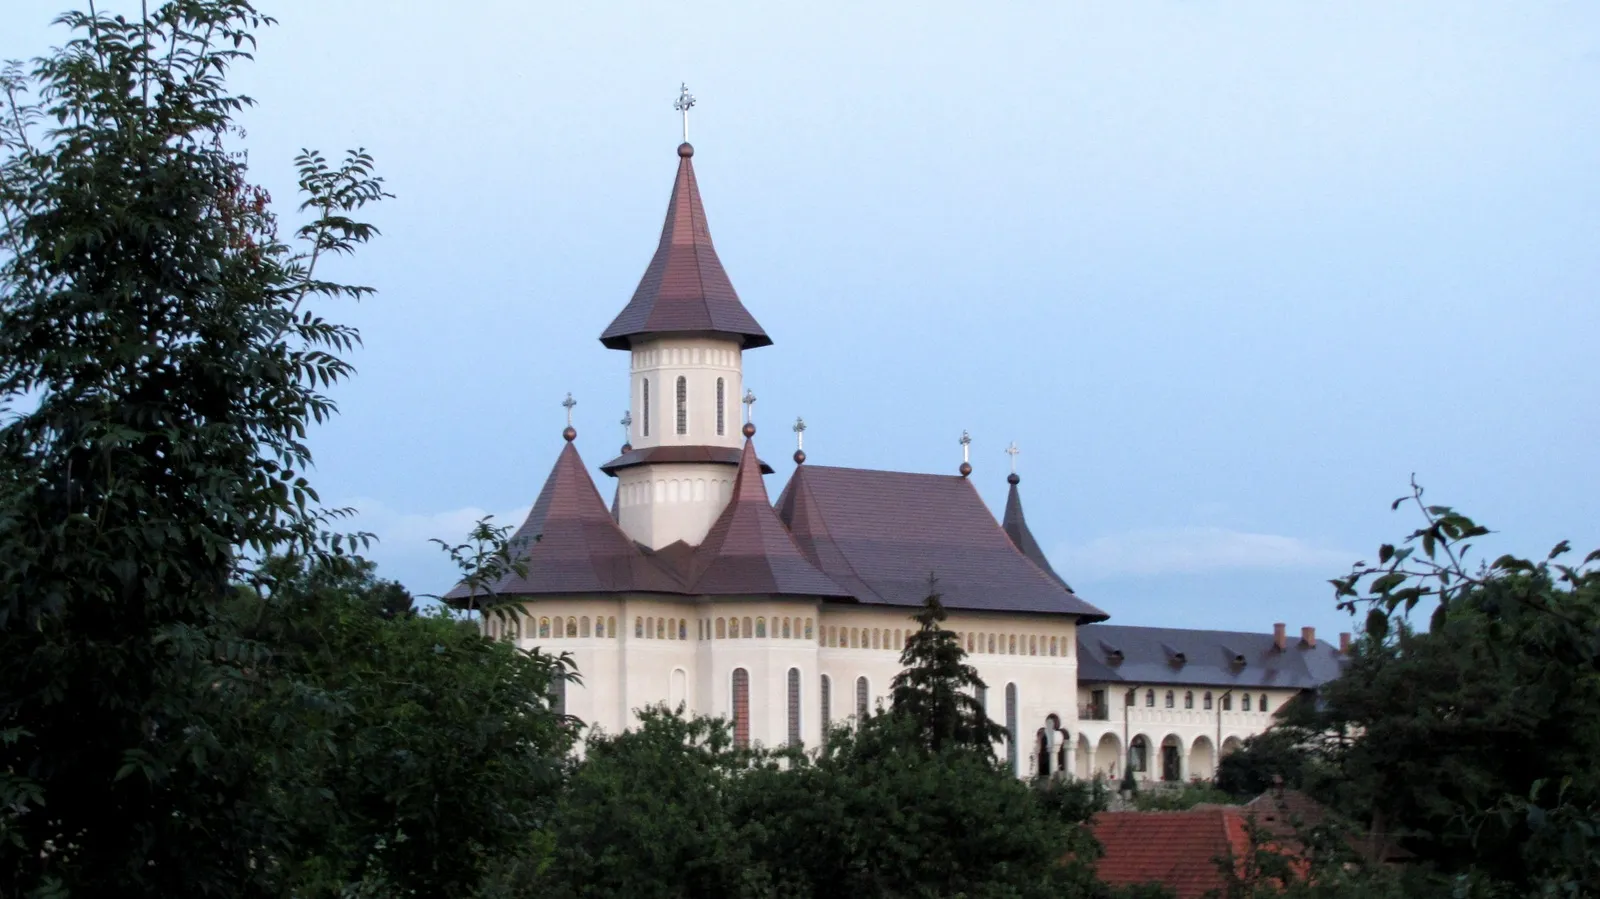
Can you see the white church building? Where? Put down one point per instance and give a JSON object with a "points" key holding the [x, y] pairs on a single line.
{"points": [[694, 587]]}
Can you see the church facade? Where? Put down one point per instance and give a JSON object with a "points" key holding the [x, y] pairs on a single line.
{"points": [[693, 587]]}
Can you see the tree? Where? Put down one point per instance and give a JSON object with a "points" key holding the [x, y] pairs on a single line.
{"points": [[1265, 760], [938, 689], [161, 358]]}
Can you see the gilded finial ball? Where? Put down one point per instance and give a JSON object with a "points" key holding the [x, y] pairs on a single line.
{"points": [[686, 149], [627, 447], [966, 469], [570, 434], [1012, 479], [749, 426], [799, 457]]}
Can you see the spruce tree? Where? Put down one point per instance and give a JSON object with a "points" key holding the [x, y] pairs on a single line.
{"points": [[937, 688]]}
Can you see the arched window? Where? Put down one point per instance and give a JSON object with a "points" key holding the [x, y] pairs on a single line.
{"points": [[983, 700], [638, 627], [722, 628], [863, 693], [1138, 754], [514, 629], [1150, 699], [1263, 702], [824, 697], [558, 695], [1188, 699], [1011, 726], [991, 644], [761, 627], [1053, 645], [1208, 701], [741, 708], [746, 629], [544, 628], [1227, 702], [572, 627], [786, 631], [808, 628], [1132, 697], [683, 405], [1012, 643], [794, 706], [721, 416], [1244, 702], [877, 642], [611, 626], [733, 628], [1171, 700], [969, 643], [644, 421], [833, 636], [1033, 645], [583, 626], [683, 629], [599, 626]]}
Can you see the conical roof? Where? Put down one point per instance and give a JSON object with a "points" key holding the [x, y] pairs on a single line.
{"points": [[685, 289], [570, 544], [1016, 527], [748, 550]]}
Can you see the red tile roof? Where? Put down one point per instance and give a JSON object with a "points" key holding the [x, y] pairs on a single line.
{"points": [[1016, 527], [685, 289], [571, 544], [748, 550], [1177, 849], [880, 534]]}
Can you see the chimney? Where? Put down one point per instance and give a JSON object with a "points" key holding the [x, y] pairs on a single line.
{"points": [[1344, 643], [1308, 637], [1280, 636]]}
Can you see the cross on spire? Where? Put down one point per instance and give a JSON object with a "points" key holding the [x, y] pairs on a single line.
{"points": [[799, 433], [685, 102], [749, 406], [966, 447], [1012, 452], [627, 425], [568, 403]]}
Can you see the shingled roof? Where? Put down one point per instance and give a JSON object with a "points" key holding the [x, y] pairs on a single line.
{"points": [[1016, 527], [880, 534], [572, 545], [685, 289], [1164, 655], [748, 550], [1178, 850]]}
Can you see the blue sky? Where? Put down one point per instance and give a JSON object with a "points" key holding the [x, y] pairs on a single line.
{"points": [[1227, 273]]}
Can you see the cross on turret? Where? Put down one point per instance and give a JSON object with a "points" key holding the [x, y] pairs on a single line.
{"points": [[684, 103]]}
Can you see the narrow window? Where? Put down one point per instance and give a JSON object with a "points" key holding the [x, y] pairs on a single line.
{"points": [[786, 630], [1188, 699], [808, 628], [861, 698], [969, 643], [833, 636], [1011, 726], [544, 628], [515, 631], [722, 628], [741, 708], [991, 643], [583, 626], [644, 424], [877, 639], [733, 628], [683, 405], [1171, 699], [761, 628], [983, 699], [1263, 702], [721, 416], [1012, 643], [1208, 700], [661, 628], [824, 697], [1150, 699], [1033, 645], [599, 626], [638, 627], [1052, 646], [747, 631], [1227, 702], [572, 627], [794, 706], [558, 695], [683, 629], [611, 626], [1245, 702]]}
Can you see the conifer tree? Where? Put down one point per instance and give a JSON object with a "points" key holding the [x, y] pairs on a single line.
{"points": [[937, 688]]}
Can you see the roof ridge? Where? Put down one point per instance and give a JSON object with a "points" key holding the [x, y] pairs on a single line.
{"points": [[797, 476]]}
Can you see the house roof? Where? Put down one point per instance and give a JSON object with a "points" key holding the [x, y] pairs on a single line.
{"points": [[1161, 655], [1176, 849], [1016, 527], [722, 455], [684, 289], [748, 550], [570, 544], [881, 534]]}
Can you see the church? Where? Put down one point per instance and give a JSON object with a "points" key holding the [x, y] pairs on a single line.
{"points": [[786, 617]]}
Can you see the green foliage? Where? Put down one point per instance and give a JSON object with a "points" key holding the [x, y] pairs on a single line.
{"points": [[1185, 797], [938, 689], [1264, 760]]}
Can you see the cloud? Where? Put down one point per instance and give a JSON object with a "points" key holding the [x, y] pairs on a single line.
{"points": [[1192, 550], [404, 550]]}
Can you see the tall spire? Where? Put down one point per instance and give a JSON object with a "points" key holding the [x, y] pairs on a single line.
{"points": [[1016, 526], [685, 289]]}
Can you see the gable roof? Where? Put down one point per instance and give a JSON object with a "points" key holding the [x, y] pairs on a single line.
{"points": [[748, 550], [880, 534], [684, 289], [1016, 527], [1165, 655], [1177, 849], [571, 544]]}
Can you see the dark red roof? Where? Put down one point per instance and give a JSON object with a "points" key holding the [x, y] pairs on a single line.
{"points": [[1176, 849], [685, 289], [880, 534], [1016, 527], [748, 550], [571, 544], [725, 455]]}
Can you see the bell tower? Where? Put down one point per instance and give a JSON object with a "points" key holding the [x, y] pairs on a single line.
{"points": [[686, 332]]}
